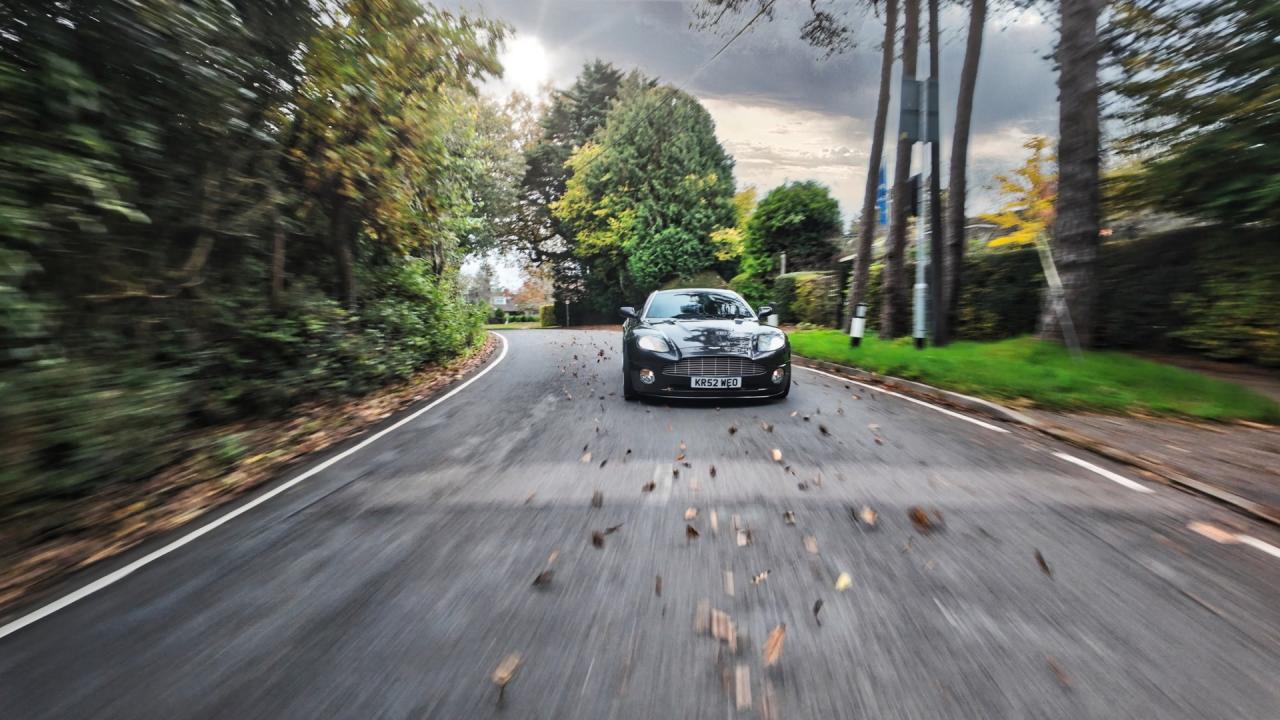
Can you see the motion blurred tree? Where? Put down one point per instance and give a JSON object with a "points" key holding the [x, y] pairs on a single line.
{"points": [[1198, 89], [800, 219], [893, 281], [648, 192], [1029, 195]]}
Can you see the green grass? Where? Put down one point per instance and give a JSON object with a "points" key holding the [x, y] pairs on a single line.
{"points": [[1027, 371]]}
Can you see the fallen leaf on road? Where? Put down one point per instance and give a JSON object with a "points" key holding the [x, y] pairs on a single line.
{"points": [[713, 471], [691, 532], [597, 499], [760, 577], [715, 522], [1058, 672], [504, 673], [691, 513], [811, 544], [789, 517], [802, 486], [679, 457], [773, 645], [648, 487], [702, 616], [733, 429], [586, 458], [744, 538], [597, 538], [543, 579], [1213, 532], [657, 585], [682, 445], [817, 607], [604, 462], [1043, 565], [613, 529], [794, 413], [925, 521], [823, 429], [767, 427], [628, 452], [728, 582], [844, 582], [868, 516], [879, 440], [742, 683], [722, 628], [776, 454]]}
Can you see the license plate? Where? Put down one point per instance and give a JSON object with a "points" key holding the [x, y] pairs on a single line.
{"points": [[716, 383]]}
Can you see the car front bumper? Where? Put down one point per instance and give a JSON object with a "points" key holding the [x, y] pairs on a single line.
{"points": [[680, 386]]}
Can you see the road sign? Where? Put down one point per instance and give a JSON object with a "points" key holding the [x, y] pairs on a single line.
{"points": [[882, 197]]}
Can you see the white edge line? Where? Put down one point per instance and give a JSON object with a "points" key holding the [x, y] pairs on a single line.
{"points": [[1103, 472], [114, 577], [1257, 544], [908, 398]]}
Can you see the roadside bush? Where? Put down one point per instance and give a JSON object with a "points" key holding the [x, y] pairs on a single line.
{"points": [[753, 289], [812, 297], [547, 315]]}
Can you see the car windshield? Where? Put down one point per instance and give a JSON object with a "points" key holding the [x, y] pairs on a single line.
{"points": [[696, 305]]}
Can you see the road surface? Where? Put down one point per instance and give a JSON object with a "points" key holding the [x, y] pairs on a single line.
{"points": [[392, 582]]}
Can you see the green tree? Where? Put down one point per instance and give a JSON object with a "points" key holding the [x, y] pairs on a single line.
{"points": [[1199, 83], [730, 242], [798, 218], [646, 195]]}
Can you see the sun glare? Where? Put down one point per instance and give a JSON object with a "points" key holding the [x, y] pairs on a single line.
{"points": [[526, 65]]}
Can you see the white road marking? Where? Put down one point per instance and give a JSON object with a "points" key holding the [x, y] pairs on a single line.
{"points": [[908, 398], [1103, 472], [1257, 544], [120, 574]]}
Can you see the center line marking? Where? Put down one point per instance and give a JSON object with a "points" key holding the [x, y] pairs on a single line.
{"points": [[112, 578], [1122, 480], [908, 398]]}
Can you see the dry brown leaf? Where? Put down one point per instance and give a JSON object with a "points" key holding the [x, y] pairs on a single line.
{"points": [[822, 429], [597, 499], [604, 461], [691, 532], [506, 670], [766, 426], [925, 520], [1213, 532], [648, 487], [844, 582], [776, 454], [586, 458], [802, 486], [543, 579], [679, 457], [733, 429], [744, 538], [773, 645], [811, 544], [713, 471], [817, 608], [868, 516], [789, 517], [759, 577], [1044, 566], [597, 538], [613, 529], [1058, 672], [728, 582], [657, 585], [691, 513], [702, 616], [722, 629], [715, 522]]}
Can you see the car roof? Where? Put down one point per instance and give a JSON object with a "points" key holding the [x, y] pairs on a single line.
{"points": [[726, 291]]}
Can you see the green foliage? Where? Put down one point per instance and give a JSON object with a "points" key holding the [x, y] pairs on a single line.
{"points": [[647, 193], [754, 290], [810, 297], [1045, 374], [1199, 82], [800, 219], [547, 315], [185, 188], [1232, 313], [705, 279]]}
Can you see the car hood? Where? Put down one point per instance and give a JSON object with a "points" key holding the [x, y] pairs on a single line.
{"points": [[710, 337]]}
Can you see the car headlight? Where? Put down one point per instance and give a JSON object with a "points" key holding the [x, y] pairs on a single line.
{"points": [[652, 343], [770, 342]]}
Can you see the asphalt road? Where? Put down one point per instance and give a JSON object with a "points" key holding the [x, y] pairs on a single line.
{"points": [[392, 582]]}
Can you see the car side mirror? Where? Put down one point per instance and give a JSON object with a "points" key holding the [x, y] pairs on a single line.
{"points": [[764, 311], [628, 312]]}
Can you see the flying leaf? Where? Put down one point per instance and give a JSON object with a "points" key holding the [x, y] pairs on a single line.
{"points": [[767, 427], [691, 533], [722, 629], [744, 538], [613, 529], [794, 413], [713, 471], [817, 607], [777, 454], [925, 521], [742, 685], [648, 487], [822, 429], [802, 486], [543, 579], [597, 499], [789, 517], [868, 516], [844, 582], [679, 457], [1044, 566], [733, 429], [759, 577], [597, 538], [811, 544], [604, 462], [728, 582], [773, 645], [586, 458], [505, 672], [657, 585], [682, 445], [715, 522], [691, 513]]}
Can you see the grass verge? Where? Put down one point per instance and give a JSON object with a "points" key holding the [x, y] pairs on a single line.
{"points": [[1028, 371]]}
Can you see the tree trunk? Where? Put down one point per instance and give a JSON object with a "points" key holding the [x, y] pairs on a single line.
{"points": [[935, 192], [277, 268], [893, 289], [1075, 228], [867, 225], [341, 238], [953, 262]]}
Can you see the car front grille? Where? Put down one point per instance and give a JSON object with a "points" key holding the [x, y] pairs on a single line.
{"points": [[714, 366]]}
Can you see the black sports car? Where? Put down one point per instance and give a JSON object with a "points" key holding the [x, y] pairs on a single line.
{"points": [[702, 343]]}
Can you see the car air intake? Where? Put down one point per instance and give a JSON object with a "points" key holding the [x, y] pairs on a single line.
{"points": [[714, 366]]}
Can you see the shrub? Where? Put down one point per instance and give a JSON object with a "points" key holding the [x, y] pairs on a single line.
{"points": [[753, 289], [547, 315], [812, 297]]}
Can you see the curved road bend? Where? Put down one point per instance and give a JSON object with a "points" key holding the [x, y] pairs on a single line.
{"points": [[392, 582]]}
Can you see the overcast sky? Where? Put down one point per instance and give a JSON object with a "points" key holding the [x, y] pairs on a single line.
{"points": [[781, 109]]}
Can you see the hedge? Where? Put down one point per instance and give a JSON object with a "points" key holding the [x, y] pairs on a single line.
{"points": [[547, 315], [808, 297]]}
